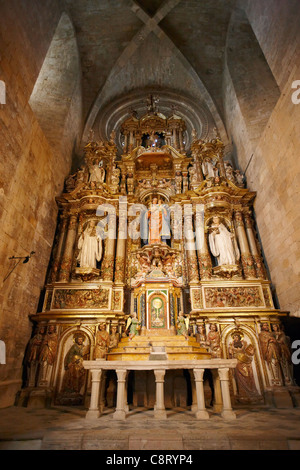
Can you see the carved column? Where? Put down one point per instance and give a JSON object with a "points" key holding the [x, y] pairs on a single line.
{"points": [[59, 249], [204, 258], [120, 412], [246, 257], [138, 140], [218, 402], [135, 302], [107, 270], [172, 310], [143, 312], [125, 142], [66, 263], [176, 225], [201, 412], [190, 245], [197, 166], [94, 411], [227, 412], [221, 166], [175, 143], [185, 181], [130, 141], [159, 409], [259, 265], [168, 138], [123, 180], [121, 245], [181, 141]]}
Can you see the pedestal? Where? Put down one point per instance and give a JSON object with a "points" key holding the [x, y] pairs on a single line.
{"points": [[39, 398]]}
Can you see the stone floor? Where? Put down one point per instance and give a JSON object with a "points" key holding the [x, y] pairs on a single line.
{"points": [[65, 428]]}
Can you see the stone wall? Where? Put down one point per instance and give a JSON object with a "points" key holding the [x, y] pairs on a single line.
{"points": [[271, 156], [32, 172]]}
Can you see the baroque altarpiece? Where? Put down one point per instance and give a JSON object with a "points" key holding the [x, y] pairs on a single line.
{"points": [[156, 250]]}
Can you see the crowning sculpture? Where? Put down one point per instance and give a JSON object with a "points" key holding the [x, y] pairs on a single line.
{"points": [[163, 236]]}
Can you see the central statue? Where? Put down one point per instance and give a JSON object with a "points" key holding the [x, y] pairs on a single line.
{"points": [[156, 226]]}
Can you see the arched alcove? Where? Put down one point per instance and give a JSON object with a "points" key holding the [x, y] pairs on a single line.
{"points": [[56, 96], [195, 114], [254, 86]]}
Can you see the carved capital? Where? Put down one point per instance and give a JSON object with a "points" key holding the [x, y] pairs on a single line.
{"points": [[224, 373], [159, 376]]}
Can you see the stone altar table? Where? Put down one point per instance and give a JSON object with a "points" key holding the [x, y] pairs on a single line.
{"points": [[159, 368]]}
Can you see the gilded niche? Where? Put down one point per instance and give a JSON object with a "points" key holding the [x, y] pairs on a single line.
{"points": [[80, 298]]}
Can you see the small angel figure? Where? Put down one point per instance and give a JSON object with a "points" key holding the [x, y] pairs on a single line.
{"points": [[182, 325], [240, 178], [133, 325]]}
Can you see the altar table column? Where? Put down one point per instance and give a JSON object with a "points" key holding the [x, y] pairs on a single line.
{"points": [[94, 411], [218, 401], [102, 391], [201, 412], [194, 405], [159, 409], [227, 412], [120, 412], [126, 406]]}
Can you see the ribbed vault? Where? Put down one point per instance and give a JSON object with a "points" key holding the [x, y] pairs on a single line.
{"points": [[150, 50]]}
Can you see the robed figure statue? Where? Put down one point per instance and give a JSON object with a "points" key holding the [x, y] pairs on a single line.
{"points": [[155, 223], [223, 244], [90, 246]]}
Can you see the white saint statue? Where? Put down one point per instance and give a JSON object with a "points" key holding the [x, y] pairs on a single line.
{"points": [[90, 246], [223, 244], [97, 173], [209, 169]]}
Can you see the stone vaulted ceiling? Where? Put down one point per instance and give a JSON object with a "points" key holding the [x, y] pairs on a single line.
{"points": [[129, 48]]}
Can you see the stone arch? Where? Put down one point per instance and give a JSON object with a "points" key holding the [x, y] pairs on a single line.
{"points": [[153, 321], [56, 96], [194, 112], [64, 344], [246, 330]]}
